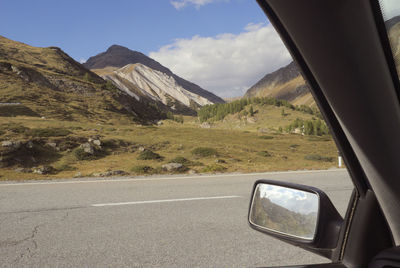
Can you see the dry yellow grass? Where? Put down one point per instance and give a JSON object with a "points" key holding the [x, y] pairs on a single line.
{"points": [[239, 149]]}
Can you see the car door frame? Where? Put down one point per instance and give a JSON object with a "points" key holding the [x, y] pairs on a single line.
{"points": [[321, 61]]}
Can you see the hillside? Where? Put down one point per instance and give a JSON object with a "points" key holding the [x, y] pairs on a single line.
{"points": [[264, 115], [142, 82], [119, 56], [286, 83], [49, 83]]}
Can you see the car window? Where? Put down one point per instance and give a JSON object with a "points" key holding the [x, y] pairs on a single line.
{"points": [[142, 151]]}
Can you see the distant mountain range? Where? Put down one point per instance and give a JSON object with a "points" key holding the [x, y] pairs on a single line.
{"points": [[118, 56]]}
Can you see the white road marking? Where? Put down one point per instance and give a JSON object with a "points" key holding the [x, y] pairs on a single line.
{"points": [[168, 178], [164, 201]]}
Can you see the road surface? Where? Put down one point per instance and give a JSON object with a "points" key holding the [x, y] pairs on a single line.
{"points": [[170, 221]]}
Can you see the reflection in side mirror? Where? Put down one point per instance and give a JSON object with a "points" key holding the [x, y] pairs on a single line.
{"points": [[285, 210]]}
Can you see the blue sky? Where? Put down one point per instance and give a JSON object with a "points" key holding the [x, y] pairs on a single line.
{"points": [[191, 37]]}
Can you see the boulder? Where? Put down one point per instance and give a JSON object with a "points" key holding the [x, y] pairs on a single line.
{"points": [[110, 173], [87, 148], [205, 125], [7, 143], [118, 173], [172, 167], [11, 144], [53, 145], [96, 142], [43, 170]]}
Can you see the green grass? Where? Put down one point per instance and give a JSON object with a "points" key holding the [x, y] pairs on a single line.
{"points": [[204, 152], [47, 132]]}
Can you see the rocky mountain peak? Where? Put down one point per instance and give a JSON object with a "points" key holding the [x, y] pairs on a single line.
{"points": [[119, 56]]}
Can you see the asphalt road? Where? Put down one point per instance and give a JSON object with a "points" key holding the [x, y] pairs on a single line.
{"points": [[196, 221]]}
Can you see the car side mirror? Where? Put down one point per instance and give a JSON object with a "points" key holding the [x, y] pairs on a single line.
{"points": [[300, 215]]}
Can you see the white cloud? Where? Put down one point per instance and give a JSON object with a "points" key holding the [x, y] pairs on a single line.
{"points": [[179, 4], [82, 60], [390, 8], [226, 64]]}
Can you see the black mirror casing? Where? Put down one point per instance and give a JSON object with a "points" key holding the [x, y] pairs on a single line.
{"points": [[328, 227]]}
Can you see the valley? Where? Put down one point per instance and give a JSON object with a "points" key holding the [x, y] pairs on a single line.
{"points": [[50, 148], [129, 115]]}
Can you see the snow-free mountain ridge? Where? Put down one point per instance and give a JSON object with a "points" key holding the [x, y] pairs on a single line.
{"points": [[140, 81], [119, 56]]}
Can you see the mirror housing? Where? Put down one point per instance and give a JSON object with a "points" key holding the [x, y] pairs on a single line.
{"points": [[327, 224]]}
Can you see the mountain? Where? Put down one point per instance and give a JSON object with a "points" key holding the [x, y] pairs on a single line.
{"points": [[47, 82], [119, 56], [286, 83], [142, 82]]}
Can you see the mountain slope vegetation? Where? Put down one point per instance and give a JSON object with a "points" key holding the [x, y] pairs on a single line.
{"points": [[51, 84], [286, 83]]}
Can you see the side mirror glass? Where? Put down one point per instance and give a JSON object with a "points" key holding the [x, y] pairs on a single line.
{"points": [[297, 214], [285, 210]]}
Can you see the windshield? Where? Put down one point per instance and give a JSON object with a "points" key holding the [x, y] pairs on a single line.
{"points": [[132, 132]]}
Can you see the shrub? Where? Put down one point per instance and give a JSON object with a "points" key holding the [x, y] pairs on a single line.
{"points": [[204, 152], [142, 169], [80, 154], [266, 137], [47, 132], [264, 154], [15, 128], [149, 155], [214, 168], [181, 160], [317, 157]]}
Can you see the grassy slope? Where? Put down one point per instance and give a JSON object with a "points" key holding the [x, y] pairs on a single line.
{"points": [[267, 118], [240, 149], [275, 91], [55, 86]]}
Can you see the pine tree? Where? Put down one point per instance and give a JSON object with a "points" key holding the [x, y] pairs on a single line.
{"points": [[251, 111]]}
